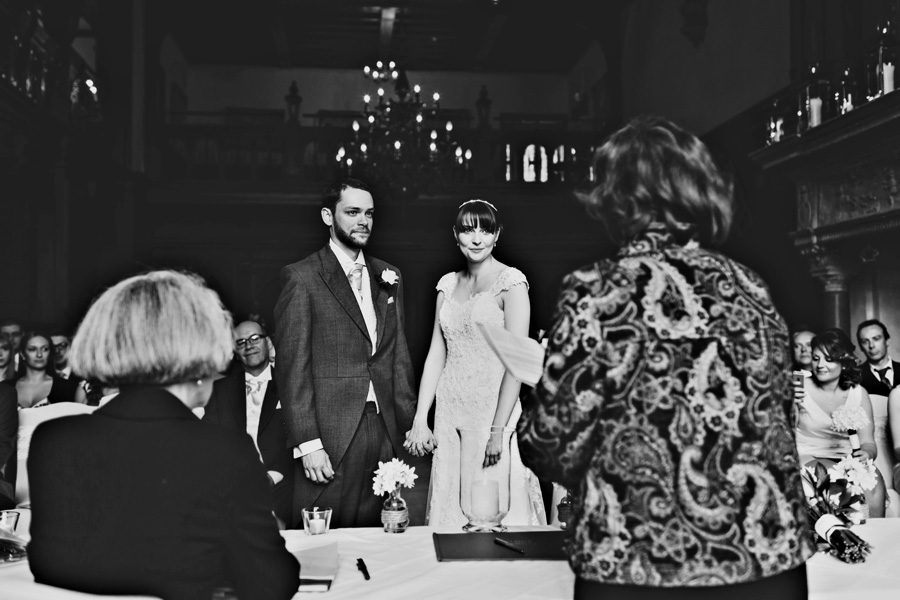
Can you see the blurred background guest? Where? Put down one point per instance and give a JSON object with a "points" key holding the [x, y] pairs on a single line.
{"points": [[9, 425], [61, 366], [665, 398], [139, 497], [801, 350], [834, 384], [246, 400], [11, 329], [7, 365], [37, 383]]}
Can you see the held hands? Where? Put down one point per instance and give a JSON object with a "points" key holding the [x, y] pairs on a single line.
{"points": [[317, 467], [420, 439], [493, 450]]}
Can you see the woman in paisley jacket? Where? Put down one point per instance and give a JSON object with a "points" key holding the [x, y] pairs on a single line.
{"points": [[665, 400]]}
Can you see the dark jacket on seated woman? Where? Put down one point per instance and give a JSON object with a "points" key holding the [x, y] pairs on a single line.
{"points": [[167, 505]]}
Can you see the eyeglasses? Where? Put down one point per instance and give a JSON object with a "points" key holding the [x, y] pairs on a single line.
{"points": [[252, 340]]}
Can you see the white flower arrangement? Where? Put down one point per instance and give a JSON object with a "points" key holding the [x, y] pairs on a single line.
{"points": [[847, 418], [857, 472], [389, 276], [391, 475]]}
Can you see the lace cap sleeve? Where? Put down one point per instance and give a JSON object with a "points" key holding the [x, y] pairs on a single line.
{"points": [[447, 284], [508, 278]]}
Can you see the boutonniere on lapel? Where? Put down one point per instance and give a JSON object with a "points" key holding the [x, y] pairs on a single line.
{"points": [[389, 277]]}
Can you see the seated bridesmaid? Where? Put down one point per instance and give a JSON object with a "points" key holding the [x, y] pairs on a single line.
{"points": [[38, 385], [834, 384]]}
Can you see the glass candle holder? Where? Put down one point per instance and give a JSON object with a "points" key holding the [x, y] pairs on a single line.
{"points": [[846, 93], [484, 490], [814, 100], [881, 60]]}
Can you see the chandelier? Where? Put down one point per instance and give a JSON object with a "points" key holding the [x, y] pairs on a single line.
{"points": [[403, 145]]}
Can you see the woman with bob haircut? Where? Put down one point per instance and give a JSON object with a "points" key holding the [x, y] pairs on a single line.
{"points": [[835, 384], [140, 497], [664, 403]]}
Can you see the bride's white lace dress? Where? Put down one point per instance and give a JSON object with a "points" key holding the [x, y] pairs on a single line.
{"points": [[466, 396]]}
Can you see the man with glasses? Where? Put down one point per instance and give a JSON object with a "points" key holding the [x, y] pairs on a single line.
{"points": [[246, 399]]}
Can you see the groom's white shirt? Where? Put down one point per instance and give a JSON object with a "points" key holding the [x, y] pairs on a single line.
{"points": [[368, 310]]}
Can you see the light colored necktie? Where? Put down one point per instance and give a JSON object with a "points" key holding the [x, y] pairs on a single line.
{"points": [[355, 276], [253, 387]]}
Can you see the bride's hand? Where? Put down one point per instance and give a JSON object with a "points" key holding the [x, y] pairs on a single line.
{"points": [[419, 440], [493, 450]]}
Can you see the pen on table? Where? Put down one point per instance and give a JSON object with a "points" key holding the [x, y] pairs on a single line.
{"points": [[361, 565], [506, 544]]}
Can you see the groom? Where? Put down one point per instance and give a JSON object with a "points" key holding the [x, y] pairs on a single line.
{"points": [[344, 370]]}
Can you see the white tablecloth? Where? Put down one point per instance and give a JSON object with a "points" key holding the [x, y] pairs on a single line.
{"points": [[403, 566]]}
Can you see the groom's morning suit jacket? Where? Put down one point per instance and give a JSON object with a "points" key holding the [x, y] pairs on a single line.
{"points": [[326, 361], [227, 407]]}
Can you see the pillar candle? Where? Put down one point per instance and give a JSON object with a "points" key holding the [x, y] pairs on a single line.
{"points": [[815, 112], [316, 526], [888, 73], [485, 498]]}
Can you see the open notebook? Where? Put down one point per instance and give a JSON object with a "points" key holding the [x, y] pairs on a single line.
{"points": [[318, 567]]}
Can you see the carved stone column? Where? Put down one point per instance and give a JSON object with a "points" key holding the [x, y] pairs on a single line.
{"points": [[834, 271]]}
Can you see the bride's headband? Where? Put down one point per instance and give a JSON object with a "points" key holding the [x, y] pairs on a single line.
{"points": [[479, 200]]}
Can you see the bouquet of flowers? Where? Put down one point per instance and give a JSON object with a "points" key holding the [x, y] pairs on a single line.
{"points": [[391, 475], [850, 419], [830, 501], [858, 473]]}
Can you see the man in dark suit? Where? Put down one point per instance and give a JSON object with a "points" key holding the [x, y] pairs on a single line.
{"points": [[880, 374], [344, 375], [247, 400]]}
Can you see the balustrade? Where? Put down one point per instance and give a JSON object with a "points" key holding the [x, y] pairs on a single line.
{"points": [[209, 147]]}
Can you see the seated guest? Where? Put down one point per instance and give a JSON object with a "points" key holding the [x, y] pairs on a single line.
{"points": [[139, 497], [11, 330], [61, 365], [246, 400], [7, 366], [802, 351], [879, 373], [37, 384], [834, 384], [9, 425]]}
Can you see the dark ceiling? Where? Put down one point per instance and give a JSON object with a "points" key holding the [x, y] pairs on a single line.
{"points": [[435, 35]]}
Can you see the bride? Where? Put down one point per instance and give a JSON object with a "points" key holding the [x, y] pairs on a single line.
{"points": [[468, 381]]}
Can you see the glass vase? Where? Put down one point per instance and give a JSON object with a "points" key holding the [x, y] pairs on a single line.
{"points": [[484, 490], [394, 514]]}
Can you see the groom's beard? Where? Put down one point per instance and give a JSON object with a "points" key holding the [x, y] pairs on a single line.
{"points": [[346, 237]]}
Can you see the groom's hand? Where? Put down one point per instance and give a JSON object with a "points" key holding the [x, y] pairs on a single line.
{"points": [[317, 467]]}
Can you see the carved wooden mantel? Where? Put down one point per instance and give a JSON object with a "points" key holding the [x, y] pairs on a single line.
{"points": [[847, 177]]}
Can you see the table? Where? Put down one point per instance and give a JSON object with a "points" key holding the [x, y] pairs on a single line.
{"points": [[403, 566]]}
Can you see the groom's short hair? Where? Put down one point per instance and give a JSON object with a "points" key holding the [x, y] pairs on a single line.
{"points": [[333, 191]]}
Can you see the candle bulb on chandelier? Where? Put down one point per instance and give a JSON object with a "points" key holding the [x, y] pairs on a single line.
{"points": [[449, 129], [367, 70], [417, 91], [397, 148], [355, 129], [437, 101], [380, 95], [366, 99]]}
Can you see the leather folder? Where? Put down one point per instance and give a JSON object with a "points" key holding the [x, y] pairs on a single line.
{"points": [[536, 545]]}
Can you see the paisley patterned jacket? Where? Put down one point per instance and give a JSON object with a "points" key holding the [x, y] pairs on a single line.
{"points": [[664, 407]]}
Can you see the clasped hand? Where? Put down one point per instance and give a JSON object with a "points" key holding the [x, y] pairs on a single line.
{"points": [[317, 467], [419, 440]]}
